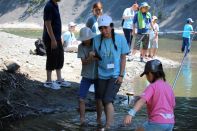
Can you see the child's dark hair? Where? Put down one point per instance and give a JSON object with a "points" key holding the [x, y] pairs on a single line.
{"points": [[113, 37], [158, 75], [91, 43]]}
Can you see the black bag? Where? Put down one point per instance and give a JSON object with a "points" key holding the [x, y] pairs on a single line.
{"points": [[122, 23], [40, 47]]}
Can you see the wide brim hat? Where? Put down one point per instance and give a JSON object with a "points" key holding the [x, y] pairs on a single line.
{"points": [[86, 34], [152, 66], [144, 4], [154, 18]]}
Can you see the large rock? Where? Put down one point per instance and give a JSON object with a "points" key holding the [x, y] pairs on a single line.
{"points": [[11, 66]]}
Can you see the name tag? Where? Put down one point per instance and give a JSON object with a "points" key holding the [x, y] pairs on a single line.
{"points": [[110, 66]]}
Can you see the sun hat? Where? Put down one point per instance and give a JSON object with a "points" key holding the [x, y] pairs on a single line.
{"points": [[86, 34], [104, 20], [72, 24], [190, 20], [144, 4], [152, 66], [154, 18]]}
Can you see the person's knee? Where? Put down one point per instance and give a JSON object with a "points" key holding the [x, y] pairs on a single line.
{"points": [[106, 102]]}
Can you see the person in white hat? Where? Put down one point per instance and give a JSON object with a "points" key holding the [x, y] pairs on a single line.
{"points": [[89, 68], [112, 48], [68, 37], [153, 38], [143, 21], [188, 30]]}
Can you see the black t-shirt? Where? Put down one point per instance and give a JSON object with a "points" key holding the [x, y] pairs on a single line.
{"points": [[51, 13]]}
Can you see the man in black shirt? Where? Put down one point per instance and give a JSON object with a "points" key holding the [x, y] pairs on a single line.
{"points": [[52, 40]]}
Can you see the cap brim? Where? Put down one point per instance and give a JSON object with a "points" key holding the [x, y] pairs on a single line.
{"points": [[142, 74], [145, 6]]}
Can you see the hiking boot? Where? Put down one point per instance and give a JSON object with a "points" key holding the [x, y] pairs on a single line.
{"points": [[52, 85], [63, 83]]}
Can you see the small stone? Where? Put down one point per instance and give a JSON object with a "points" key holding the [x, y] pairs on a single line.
{"points": [[11, 66]]}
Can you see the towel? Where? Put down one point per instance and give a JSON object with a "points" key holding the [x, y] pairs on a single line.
{"points": [[141, 19]]}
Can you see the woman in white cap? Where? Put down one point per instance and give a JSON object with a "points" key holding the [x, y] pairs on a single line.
{"points": [[89, 68], [112, 48], [68, 37], [153, 38]]}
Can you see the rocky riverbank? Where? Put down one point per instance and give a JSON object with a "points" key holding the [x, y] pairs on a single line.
{"points": [[23, 94]]}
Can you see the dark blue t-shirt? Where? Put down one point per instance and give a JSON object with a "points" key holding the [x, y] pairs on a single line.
{"points": [[51, 13], [147, 22]]}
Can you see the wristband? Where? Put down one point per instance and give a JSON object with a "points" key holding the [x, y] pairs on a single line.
{"points": [[121, 76], [132, 112]]}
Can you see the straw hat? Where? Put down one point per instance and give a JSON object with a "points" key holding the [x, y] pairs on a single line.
{"points": [[86, 34]]}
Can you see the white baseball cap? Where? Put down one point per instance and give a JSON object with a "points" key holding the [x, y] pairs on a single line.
{"points": [[154, 18], [72, 24], [190, 20], [86, 34], [104, 20]]}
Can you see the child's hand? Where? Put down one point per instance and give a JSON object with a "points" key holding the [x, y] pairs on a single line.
{"points": [[92, 54], [127, 119]]}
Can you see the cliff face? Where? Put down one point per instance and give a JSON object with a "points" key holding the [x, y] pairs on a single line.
{"points": [[172, 13]]}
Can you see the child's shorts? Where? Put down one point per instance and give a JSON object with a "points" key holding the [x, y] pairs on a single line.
{"points": [[85, 85], [153, 44], [152, 126]]}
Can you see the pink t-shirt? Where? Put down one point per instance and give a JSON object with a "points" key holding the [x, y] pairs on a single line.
{"points": [[160, 102]]}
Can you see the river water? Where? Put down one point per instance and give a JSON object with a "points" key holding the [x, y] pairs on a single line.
{"points": [[185, 91]]}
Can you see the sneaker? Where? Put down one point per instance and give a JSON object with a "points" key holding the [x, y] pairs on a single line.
{"points": [[63, 83], [52, 85], [130, 58]]}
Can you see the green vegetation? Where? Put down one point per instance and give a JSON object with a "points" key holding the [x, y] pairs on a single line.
{"points": [[29, 33]]}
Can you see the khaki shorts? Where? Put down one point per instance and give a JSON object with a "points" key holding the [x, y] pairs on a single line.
{"points": [[141, 41]]}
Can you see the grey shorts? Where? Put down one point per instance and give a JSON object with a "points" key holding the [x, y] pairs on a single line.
{"points": [[141, 41], [107, 90], [153, 44]]}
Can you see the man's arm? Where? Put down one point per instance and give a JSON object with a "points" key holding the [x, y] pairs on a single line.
{"points": [[51, 34]]}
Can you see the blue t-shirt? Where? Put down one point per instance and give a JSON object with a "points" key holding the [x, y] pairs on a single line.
{"points": [[51, 13], [92, 23], [187, 28], [110, 56], [147, 22]]}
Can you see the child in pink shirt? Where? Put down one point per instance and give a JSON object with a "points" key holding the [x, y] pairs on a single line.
{"points": [[158, 97]]}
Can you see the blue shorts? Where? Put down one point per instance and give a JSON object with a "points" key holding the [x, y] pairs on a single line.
{"points": [[84, 87], [152, 126]]}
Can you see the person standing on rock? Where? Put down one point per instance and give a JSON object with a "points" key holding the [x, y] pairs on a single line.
{"points": [[153, 38], [112, 48], [188, 30], [143, 20], [92, 22], [52, 40], [128, 16], [89, 68]]}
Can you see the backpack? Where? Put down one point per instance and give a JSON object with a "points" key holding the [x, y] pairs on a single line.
{"points": [[40, 47]]}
